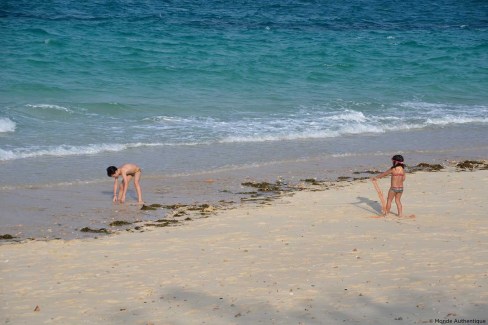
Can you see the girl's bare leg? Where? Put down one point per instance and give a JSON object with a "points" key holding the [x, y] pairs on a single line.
{"points": [[398, 196], [391, 195]]}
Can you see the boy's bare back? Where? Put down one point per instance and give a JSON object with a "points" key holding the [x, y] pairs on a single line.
{"points": [[129, 169]]}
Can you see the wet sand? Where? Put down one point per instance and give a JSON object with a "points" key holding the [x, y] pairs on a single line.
{"points": [[309, 257]]}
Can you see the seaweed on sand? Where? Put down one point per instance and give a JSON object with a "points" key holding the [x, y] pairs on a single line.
{"points": [[427, 167], [312, 181], [151, 207], [264, 186], [162, 223], [266, 191], [472, 164], [174, 206], [368, 172], [117, 223], [97, 231]]}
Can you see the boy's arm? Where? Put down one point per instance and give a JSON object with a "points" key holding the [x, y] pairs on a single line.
{"points": [[124, 186], [115, 190]]}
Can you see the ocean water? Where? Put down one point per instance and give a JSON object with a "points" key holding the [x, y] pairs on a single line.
{"points": [[262, 87]]}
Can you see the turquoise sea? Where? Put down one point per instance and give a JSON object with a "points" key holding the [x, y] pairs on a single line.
{"points": [[193, 87]]}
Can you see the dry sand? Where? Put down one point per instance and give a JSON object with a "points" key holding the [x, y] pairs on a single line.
{"points": [[309, 258]]}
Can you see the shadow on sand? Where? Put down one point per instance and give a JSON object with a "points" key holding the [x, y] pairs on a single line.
{"points": [[402, 306]]}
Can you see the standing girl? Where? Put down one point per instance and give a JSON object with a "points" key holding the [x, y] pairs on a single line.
{"points": [[397, 172]]}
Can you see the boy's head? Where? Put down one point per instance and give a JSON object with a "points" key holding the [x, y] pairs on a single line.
{"points": [[111, 170]]}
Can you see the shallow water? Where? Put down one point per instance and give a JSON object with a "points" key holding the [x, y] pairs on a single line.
{"points": [[51, 208]]}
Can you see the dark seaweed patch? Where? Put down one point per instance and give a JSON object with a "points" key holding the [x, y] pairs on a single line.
{"points": [[167, 220], [117, 223], [263, 186], [266, 191], [7, 236], [367, 172], [427, 167], [148, 207], [162, 223], [198, 207], [174, 206], [312, 181], [203, 208], [179, 214], [472, 164], [97, 231]]}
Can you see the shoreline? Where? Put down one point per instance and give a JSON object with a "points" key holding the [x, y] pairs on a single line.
{"points": [[311, 257], [252, 192]]}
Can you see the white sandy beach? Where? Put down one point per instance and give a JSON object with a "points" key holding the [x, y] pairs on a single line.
{"points": [[308, 258]]}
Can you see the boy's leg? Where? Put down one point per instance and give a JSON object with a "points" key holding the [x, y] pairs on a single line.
{"points": [[137, 178], [125, 187]]}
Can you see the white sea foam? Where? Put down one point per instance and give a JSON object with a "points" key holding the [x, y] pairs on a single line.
{"points": [[279, 137], [164, 119], [347, 123], [7, 155], [314, 134], [247, 127], [442, 121], [356, 154], [7, 125], [309, 123], [436, 108], [63, 150], [349, 115], [50, 106], [66, 150]]}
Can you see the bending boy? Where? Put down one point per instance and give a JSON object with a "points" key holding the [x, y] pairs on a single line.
{"points": [[126, 171]]}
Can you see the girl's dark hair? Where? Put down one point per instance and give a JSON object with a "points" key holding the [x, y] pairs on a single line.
{"points": [[111, 170], [398, 161]]}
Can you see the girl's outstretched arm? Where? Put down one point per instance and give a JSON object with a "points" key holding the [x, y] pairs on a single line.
{"points": [[388, 172]]}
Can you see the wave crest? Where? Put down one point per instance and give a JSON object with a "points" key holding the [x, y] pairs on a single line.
{"points": [[51, 107], [7, 125], [63, 150]]}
